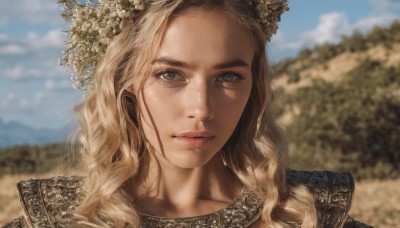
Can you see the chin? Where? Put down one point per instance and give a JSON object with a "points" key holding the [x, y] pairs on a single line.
{"points": [[190, 159]]}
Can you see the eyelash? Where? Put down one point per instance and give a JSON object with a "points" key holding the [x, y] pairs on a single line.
{"points": [[159, 75], [238, 77]]}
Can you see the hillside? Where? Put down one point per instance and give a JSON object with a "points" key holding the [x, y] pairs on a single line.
{"points": [[331, 62], [302, 72], [340, 104]]}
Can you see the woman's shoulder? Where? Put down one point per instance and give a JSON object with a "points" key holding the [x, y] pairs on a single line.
{"points": [[48, 202], [333, 192]]}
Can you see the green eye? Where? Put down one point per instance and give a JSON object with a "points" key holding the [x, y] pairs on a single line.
{"points": [[169, 76]]}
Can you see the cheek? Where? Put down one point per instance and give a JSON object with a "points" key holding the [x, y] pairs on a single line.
{"points": [[152, 118], [230, 108], [158, 109]]}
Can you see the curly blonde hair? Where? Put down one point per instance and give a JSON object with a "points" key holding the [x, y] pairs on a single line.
{"points": [[114, 145]]}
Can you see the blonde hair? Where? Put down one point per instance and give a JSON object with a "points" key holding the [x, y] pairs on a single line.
{"points": [[114, 146]]}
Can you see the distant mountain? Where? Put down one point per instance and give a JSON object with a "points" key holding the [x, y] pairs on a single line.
{"points": [[14, 133]]}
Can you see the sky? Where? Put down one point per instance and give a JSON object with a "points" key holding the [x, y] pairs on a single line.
{"points": [[37, 92]]}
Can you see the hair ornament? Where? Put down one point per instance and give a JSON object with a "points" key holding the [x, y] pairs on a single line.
{"points": [[95, 22], [269, 13]]}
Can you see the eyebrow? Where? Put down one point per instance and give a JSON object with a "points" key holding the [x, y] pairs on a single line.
{"points": [[177, 63]]}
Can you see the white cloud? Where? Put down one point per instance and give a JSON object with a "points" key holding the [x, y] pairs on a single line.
{"points": [[23, 103], [384, 12], [28, 11], [367, 23], [39, 96], [12, 49], [38, 108], [279, 40], [52, 39], [44, 71], [12, 101], [21, 72], [57, 85], [32, 55], [331, 27], [33, 88], [384, 6], [14, 73], [3, 37]]}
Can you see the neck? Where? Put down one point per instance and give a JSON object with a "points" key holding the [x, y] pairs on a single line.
{"points": [[181, 192]]}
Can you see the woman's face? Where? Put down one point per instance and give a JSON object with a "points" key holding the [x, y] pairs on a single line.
{"points": [[200, 83]]}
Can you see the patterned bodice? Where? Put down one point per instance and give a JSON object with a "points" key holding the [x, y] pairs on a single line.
{"points": [[51, 202]]}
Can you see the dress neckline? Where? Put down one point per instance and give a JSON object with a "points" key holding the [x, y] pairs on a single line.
{"points": [[243, 211]]}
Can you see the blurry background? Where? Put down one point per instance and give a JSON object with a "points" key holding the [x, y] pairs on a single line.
{"points": [[337, 85]]}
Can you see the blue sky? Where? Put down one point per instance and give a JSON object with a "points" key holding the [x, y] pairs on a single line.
{"points": [[37, 92]]}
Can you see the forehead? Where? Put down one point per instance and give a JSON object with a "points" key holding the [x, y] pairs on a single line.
{"points": [[206, 35]]}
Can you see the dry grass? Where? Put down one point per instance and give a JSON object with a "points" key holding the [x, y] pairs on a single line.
{"points": [[375, 202], [9, 201], [335, 69]]}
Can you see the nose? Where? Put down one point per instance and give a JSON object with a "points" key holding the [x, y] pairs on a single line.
{"points": [[200, 101]]}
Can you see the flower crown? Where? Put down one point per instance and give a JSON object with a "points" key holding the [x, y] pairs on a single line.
{"points": [[95, 22]]}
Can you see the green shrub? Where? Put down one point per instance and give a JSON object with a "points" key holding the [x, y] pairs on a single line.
{"points": [[352, 125], [32, 159]]}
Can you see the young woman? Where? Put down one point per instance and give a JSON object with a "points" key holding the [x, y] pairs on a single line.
{"points": [[176, 126]]}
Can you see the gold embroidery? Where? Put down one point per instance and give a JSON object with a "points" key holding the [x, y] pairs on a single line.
{"points": [[51, 202], [241, 213]]}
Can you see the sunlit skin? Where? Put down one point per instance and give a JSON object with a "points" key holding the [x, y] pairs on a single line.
{"points": [[200, 83]]}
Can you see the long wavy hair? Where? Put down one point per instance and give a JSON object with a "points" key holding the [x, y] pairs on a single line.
{"points": [[114, 146]]}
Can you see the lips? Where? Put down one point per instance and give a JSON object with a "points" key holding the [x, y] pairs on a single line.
{"points": [[194, 139]]}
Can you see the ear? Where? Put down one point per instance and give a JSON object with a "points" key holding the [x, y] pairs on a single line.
{"points": [[131, 90], [129, 96]]}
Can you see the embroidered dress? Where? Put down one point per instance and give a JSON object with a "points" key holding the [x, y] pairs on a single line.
{"points": [[51, 202], [243, 212]]}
